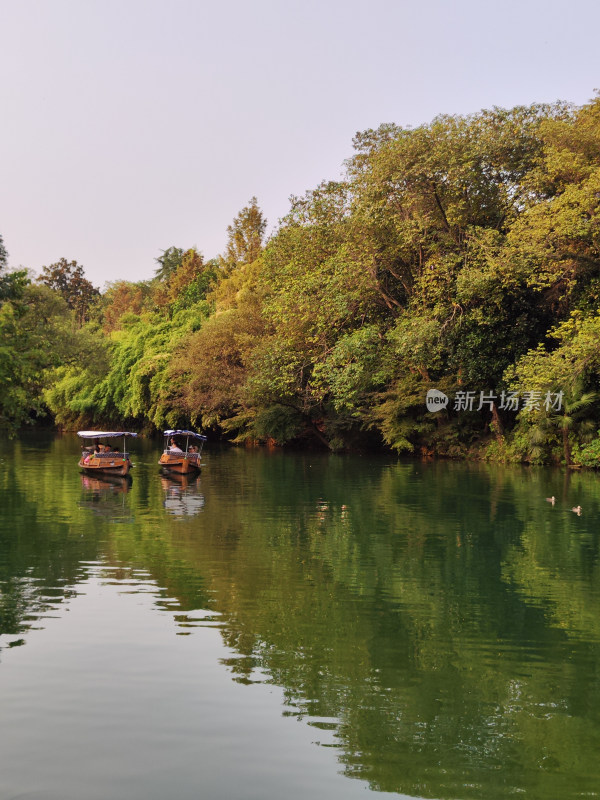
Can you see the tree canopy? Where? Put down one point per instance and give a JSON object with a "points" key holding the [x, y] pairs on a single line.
{"points": [[67, 278], [462, 255]]}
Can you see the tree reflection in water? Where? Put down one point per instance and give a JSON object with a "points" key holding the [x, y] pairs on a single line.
{"points": [[438, 624]]}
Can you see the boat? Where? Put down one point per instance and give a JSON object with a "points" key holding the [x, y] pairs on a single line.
{"points": [[100, 458], [179, 460]]}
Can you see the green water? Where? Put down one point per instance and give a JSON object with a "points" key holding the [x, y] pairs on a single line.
{"points": [[295, 626]]}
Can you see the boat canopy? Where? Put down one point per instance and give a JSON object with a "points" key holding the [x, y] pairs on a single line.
{"points": [[103, 434], [185, 433]]}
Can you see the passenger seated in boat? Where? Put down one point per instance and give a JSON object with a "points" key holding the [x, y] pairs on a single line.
{"points": [[103, 450], [174, 448], [193, 449]]}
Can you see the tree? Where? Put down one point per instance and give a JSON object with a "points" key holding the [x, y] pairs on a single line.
{"points": [[187, 283], [571, 370], [554, 246], [35, 335], [3, 255], [566, 427], [123, 297], [211, 366], [13, 284], [245, 235], [442, 259], [169, 262], [318, 289], [67, 278]]}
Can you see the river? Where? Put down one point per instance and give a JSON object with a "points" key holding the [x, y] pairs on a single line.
{"points": [[296, 625]]}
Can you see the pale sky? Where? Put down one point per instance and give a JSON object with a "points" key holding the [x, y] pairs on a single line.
{"points": [[130, 126]]}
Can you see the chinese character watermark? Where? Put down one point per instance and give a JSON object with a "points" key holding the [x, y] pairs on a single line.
{"points": [[533, 400]]}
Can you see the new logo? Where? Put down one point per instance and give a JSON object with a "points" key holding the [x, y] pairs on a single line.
{"points": [[435, 400]]}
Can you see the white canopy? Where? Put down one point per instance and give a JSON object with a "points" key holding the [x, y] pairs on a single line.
{"points": [[185, 433], [103, 434]]}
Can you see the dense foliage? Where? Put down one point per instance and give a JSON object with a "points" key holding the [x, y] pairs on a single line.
{"points": [[462, 256]]}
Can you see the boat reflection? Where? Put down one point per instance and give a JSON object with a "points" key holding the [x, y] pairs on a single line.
{"points": [[105, 496], [182, 494]]}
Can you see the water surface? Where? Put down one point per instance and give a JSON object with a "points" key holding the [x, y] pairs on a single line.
{"points": [[295, 625]]}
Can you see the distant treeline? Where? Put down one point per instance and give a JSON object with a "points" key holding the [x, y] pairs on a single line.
{"points": [[462, 256]]}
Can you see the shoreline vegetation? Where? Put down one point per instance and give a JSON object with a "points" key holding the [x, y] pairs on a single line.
{"points": [[462, 256]]}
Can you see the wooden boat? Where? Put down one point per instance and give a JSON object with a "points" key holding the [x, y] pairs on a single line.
{"points": [[177, 459], [100, 458]]}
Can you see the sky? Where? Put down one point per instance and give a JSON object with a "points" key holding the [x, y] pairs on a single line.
{"points": [[131, 126]]}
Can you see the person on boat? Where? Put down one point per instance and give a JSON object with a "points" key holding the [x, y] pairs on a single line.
{"points": [[193, 449], [174, 448]]}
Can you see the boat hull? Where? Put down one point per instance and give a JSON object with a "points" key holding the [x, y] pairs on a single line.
{"points": [[182, 464], [106, 466]]}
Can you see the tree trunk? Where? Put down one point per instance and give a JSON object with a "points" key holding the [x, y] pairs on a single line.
{"points": [[496, 423], [566, 446]]}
